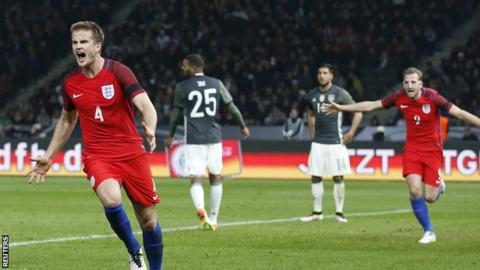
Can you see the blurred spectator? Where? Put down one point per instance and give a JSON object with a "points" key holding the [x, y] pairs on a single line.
{"points": [[354, 85], [379, 135], [43, 119], [468, 135], [374, 121], [275, 117], [5, 84], [5, 124], [293, 126]]}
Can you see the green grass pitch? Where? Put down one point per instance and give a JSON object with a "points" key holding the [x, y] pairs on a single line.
{"points": [[376, 237]]}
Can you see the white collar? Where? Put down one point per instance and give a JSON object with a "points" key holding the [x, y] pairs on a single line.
{"points": [[199, 74]]}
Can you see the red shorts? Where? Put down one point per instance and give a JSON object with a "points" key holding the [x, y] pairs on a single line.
{"points": [[133, 174], [428, 164]]}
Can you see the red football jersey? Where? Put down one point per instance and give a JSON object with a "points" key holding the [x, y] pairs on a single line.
{"points": [[105, 111], [422, 117]]}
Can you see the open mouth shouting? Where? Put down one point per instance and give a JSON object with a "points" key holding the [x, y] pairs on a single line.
{"points": [[411, 91], [81, 57]]}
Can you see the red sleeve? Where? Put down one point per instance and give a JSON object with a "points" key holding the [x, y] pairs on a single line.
{"points": [[389, 101], [127, 80], [67, 101], [441, 102]]}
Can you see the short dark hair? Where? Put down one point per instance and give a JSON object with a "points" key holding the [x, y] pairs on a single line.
{"points": [[327, 65], [195, 60]]}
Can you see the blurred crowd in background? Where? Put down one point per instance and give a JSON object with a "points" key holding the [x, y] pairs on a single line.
{"points": [[265, 52]]}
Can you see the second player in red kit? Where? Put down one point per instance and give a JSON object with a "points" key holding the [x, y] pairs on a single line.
{"points": [[423, 152], [423, 148]]}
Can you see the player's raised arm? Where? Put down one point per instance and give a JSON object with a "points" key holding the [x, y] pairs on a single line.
{"points": [[364, 106], [63, 130], [464, 115]]}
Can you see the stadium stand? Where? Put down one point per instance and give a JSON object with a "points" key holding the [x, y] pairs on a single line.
{"points": [[35, 34], [459, 74], [33, 40], [266, 52]]}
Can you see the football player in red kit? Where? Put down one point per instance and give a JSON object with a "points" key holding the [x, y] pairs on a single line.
{"points": [[102, 93], [423, 156]]}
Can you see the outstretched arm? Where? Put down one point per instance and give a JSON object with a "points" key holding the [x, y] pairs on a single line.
{"points": [[464, 115], [63, 130], [149, 124], [298, 128], [364, 106]]}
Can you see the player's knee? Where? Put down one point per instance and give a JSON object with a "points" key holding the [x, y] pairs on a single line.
{"points": [[149, 224], [196, 181], [430, 198], [216, 181], [111, 203], [109, 193], [110, 200], [338, 179], [316, 179], [415, 193]]}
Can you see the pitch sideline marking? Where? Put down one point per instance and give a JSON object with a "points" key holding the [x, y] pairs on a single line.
{"points": [[196, 227]]}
